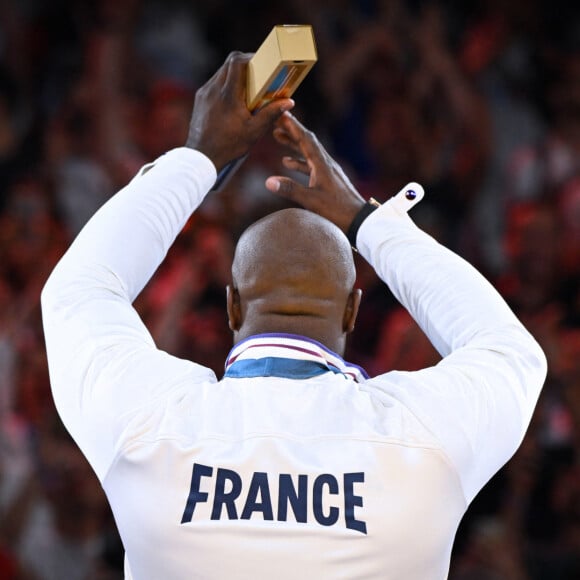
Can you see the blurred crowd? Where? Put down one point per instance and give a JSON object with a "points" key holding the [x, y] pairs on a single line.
{"points": [[478, 101]]}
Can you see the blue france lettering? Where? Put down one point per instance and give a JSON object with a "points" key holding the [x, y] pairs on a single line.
{"points": [[351, 501], [298, 499], [226, 492], [258, 486], [221, 498], [332, 484], [195, 495]]}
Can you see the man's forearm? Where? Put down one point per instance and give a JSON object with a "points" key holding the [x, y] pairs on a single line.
{"points": [[131, 234], [90, 326], [449, 299]]}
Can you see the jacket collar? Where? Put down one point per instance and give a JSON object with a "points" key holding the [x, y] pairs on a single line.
{"points": [[289, 356]]}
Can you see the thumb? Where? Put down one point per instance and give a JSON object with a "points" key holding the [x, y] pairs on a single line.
{"points": [[287, 188], [270, 112]]}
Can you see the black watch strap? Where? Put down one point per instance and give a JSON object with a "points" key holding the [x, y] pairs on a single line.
{"points": [[366, 210]]}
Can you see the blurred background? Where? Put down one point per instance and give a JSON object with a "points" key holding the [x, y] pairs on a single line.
{"points": [[478, 101]]}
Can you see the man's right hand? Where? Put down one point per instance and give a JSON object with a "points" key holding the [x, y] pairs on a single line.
{"points": [[329, 192], [221, 125]]}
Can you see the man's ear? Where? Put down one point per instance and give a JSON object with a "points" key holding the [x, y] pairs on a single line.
{"points": [[234, 308], [351, 310]]}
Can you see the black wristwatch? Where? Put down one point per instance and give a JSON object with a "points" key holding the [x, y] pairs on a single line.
{"points": [[366, 210]]}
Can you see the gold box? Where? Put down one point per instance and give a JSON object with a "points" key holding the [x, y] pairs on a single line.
{"points": [[280, 64]]}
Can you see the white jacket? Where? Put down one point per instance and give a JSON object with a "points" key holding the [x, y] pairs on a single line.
{"points": [[294, 465]]}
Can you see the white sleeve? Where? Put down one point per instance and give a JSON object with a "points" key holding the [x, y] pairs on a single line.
{"points": [[478, 401], [102, 361]]}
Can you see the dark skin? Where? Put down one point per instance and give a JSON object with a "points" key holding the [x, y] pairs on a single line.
{"points": [[329, 192], [221, 125], [293, 271]]}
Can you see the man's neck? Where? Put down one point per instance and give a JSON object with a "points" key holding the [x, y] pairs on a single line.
{"points": [[307, 327]]}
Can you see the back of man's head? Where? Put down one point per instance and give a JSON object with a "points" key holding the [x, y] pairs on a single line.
{"points": [[293, 271]]}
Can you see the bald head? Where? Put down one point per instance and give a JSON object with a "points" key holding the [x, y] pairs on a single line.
{"points": [[296, 252], [293, 271]]}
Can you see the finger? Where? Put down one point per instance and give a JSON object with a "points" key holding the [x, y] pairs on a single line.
{"points": [[281, 136], [237, 71], [302, 139], [268, 114], [294, 164], [218, 78], [284, 139], [287, 188], [295, 129]]}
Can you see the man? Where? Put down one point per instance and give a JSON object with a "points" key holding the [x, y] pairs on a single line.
{"points": [[295, 464]]}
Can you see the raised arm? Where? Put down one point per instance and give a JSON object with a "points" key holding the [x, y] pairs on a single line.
{"points": [[478, 401], [102, 361]]}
